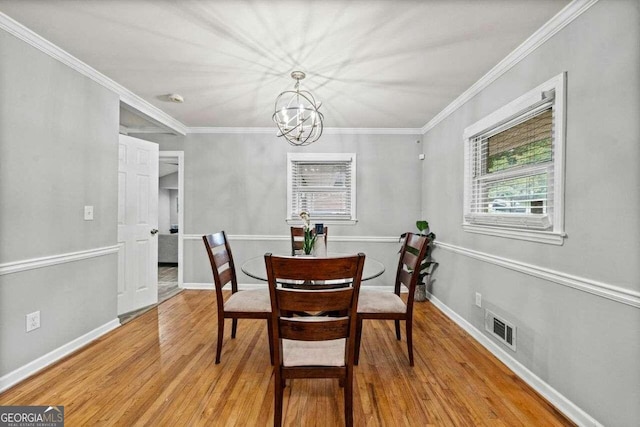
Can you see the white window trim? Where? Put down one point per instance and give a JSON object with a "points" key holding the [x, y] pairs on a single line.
{"points": [[293, 217], [507, 226]]}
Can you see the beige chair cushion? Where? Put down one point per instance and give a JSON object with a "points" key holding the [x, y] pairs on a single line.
{"points": [[313, 353], [380, 302], [254, 300]]}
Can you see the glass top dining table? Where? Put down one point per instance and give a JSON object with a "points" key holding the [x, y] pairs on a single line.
{"points": [[255, 267]]}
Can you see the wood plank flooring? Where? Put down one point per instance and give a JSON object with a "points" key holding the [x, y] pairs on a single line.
{"points": [[159, 370]]}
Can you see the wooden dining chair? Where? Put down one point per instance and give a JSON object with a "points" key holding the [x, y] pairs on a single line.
{"points": [[378, 305], [314, 346], [250, 304], [297, 239]]}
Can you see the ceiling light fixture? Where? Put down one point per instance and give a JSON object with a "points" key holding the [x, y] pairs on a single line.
{"points": [[297, 114]]}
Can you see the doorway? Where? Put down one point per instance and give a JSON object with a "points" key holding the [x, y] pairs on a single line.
{"points": [[170, 223]]}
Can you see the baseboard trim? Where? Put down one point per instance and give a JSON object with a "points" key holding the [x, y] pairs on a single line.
{"points": [[604, 290], [47, 261], [276, 237], [33, 367], [564, 405]]}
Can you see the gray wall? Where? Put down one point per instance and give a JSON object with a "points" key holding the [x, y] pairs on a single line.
{"points": [[237, 183], [585, 346], [58, 153], [164, 210]]}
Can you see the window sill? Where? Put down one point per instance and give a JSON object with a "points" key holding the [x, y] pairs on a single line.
{"points": [[547, 237], [297, 221]]}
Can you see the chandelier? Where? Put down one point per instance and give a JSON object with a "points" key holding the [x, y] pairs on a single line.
{"points": [[297, 114]]}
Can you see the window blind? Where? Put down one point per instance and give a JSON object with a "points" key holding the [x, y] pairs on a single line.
{"points": [[512, 167], [322, 188]]}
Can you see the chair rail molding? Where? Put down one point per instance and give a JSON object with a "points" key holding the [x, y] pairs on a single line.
{"points": [[47, 261], [604, 290], [276, 237], [564, 405]]}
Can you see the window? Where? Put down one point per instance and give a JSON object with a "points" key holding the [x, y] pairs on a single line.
{"points": [[323, 185], [514, 167]]}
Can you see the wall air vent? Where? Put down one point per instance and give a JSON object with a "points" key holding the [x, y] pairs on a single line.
{"points": [[501, 329]]}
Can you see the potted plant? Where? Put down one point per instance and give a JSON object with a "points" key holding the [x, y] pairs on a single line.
{"points": [[428, 265], [309, 235]]}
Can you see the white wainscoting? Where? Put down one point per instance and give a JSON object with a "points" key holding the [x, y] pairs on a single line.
{"points": [[604, 290], [42, 362], [47, 261]]}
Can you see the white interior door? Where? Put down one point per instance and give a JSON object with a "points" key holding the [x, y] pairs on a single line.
{"points": [[137, 224]]}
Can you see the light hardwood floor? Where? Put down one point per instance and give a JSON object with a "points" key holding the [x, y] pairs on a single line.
{"points": [[159, 370]]}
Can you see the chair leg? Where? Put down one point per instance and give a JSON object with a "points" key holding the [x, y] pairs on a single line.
{"points": [[356, 356], [220, 336], [410, 339], [398, 337], [348, 399], [234, 327], [270, 333], [279, 395]]}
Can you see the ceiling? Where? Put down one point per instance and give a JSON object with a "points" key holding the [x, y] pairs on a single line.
{"points": [[373, 64]]}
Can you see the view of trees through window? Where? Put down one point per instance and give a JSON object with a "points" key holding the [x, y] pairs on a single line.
{"points": [[522, 147]]}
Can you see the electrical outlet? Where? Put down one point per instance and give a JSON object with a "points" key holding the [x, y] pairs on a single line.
{"points": [[478, 299], [88, 213], [33, 321]]}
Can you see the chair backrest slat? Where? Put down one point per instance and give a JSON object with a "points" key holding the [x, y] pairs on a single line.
{"points": [[219, 253], [304, 330], [226, 276], [411, 256], [410, 260], [221, 258], [405, 278], [312, 268], [329, 300]]}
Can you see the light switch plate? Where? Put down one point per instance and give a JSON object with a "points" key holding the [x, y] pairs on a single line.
{"points": [[88, 213]]}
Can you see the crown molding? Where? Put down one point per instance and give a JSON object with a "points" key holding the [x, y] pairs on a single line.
{"points": [[604, 290], [165, 121], [544, 33], [146, 129], [131, 100], [327, 131]]}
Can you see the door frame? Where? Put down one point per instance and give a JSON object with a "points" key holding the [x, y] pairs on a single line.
{"points": [[179, 156]]}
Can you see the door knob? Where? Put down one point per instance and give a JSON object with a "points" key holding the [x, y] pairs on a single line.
{"points": [[154, 232]]}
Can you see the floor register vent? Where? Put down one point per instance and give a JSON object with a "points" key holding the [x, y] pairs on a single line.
{"points": [[501, 329]]}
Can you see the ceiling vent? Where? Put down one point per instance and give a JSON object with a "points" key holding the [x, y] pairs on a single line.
{"points": [[501, 329]]}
